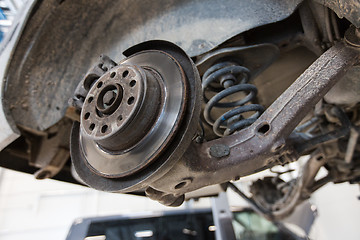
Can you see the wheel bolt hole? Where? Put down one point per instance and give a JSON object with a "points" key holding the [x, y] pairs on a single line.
{"points": [[120, 118], [99, 85], [112, 75], [92, 126], [125, 73], [104, 128], [131, 100], [90, 99], [87, 115], [132, 83]]}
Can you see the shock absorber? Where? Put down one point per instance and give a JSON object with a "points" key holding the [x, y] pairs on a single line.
{"points": [[227, 79]]}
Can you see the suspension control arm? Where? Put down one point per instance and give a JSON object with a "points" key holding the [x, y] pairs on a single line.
{"points": [[265, 143]]}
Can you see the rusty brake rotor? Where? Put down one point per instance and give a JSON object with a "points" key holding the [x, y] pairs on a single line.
{"points": [[137, 119]]}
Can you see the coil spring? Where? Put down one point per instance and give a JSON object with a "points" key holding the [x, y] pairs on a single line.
{"points": [[225, 79]]}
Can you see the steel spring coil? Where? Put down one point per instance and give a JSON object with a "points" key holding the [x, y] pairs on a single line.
{"points": [[225, 79]]}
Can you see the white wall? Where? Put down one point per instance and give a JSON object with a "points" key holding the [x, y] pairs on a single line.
{"points": [[338, 212], [45, 209], [32, 209]]}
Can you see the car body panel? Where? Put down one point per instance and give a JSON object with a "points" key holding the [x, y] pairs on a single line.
{"points": [[8, 130], [63, 39]]}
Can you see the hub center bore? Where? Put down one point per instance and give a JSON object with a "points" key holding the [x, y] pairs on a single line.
{"points": [[109, 98]]}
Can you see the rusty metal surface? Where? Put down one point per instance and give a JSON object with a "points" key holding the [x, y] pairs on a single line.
{"points": [[63, 39], [104, 116], [176, 145], [340, 167], [264, 143], [141, 135]]}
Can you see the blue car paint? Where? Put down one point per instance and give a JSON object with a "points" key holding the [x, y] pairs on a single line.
{"points": [[2, 17]]}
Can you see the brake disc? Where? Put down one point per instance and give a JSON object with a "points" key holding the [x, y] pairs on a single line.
{"points": [[137, 119]]}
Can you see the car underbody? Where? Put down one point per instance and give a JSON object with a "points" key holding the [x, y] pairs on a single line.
{"points": [[206, 92]]}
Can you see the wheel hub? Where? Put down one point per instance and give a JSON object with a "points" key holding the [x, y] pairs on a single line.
{"points": [[131, 113], [115, 113], [137, 118]]}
